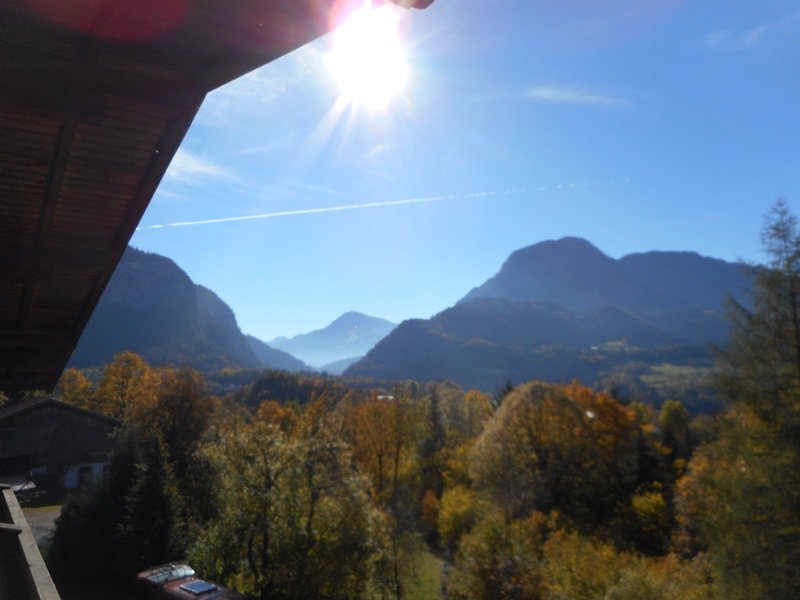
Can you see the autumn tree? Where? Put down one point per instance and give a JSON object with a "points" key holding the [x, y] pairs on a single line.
{"points": [[182, 412], [373, 443], [433, 442], [296, 520], [128, 389], [75, 388], [460, 510], [558, 447], [673, 420], [274, 413]]}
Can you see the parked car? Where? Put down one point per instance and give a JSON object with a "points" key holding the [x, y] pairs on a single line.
{"points": [[178, 580]]}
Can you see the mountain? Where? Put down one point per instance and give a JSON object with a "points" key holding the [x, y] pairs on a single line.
{"points": [[573, 273], [273, 358], [563, 309], [352, 334], [153, 308]]}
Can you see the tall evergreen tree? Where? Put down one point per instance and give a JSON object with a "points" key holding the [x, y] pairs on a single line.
{"points": [[151, 531], [749, 513]]}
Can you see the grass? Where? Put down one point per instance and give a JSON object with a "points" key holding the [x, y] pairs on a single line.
{"points": [[665, 375], [423, 580]]}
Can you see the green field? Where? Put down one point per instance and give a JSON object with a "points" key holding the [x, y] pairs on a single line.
{"points": [[665, 376], [423, 581]]}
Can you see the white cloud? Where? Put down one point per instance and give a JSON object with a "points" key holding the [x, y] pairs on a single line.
{"points": [[741, 40], [187, 166], [555, 94], [753, 36]]}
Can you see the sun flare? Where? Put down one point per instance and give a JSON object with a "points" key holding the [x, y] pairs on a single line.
{"points": [[368, 60]]}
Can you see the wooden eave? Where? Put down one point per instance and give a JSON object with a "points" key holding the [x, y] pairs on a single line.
{"points": [[95, 98], [13, 411]]}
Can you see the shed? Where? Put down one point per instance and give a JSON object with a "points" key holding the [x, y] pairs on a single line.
{"points": [[59, 444]]}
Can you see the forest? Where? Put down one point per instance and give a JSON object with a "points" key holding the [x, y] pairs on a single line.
{"points": [[300, 486]]}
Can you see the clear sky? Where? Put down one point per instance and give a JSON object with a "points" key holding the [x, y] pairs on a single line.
{"points": [[637, 124]]}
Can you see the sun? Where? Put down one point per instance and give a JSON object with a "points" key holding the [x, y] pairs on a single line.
{"points": [[368, 60]]}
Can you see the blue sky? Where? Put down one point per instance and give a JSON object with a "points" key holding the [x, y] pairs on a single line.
{"points": [[637, 124]]}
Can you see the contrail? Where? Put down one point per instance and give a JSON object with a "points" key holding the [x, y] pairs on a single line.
{"points": [[329, 209], [310, 211]]}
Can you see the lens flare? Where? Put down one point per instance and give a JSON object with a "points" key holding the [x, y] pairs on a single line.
{"points": [[368, 60]]}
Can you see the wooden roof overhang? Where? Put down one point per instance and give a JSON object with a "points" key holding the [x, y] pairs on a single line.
{"points": [[95, 98]]}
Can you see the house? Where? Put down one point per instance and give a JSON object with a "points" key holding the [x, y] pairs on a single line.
{"points": [[58, 445]]}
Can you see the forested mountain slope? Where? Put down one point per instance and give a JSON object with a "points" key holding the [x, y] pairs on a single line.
{"points": [[153, 308]]}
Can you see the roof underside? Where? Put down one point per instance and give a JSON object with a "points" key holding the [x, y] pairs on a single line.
{"points": [[95, 99]]}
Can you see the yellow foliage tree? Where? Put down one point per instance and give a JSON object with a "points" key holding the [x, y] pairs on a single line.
{"points": [[75, 388], [128, 390], [458, 512], [550, 447]]}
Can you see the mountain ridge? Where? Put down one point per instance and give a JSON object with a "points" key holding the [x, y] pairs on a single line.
{"points": [[561, 271], [564, 298], [152, 307]]}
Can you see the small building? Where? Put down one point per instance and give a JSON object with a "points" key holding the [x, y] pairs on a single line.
{"points": [[56, 444]]}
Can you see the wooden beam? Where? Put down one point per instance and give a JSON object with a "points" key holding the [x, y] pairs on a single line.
{"points": [[57, 171], [56, 179]]}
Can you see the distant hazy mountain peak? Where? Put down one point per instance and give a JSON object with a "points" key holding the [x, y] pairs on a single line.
{"points": [[351, 334], [356, 319]]}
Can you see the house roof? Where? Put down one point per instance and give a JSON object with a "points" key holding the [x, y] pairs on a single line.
{"points": [[96, 98], [13, 410]]}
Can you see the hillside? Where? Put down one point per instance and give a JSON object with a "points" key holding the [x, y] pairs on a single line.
{"points": [[352, 334], [562, 309], [273, 358], [153, 308]]}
